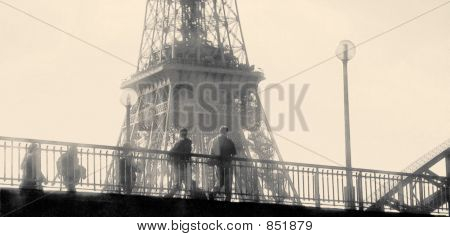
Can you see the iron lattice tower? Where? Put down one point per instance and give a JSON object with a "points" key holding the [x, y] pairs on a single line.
{"points": [[193, 32], [190, 46]]}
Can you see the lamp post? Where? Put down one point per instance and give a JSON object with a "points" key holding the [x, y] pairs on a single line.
{"points": [[128, 99], [345, 52]]}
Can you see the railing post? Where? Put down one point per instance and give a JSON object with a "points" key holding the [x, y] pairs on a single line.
{"points": [[188, 179], [360, 192], [411, 194], [255, 182], [421, 193], [401, 195], [447, 166], [317, 188], [349, 191]]}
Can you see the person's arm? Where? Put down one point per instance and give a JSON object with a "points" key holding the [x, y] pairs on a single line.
{"points": [[233, 151], [175, 147], [83, 173], [211, 147], [189, 149], [42, 178], [24, 162]]}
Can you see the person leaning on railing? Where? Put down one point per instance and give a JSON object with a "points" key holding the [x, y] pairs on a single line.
{"points": [[223, 147], [32, 177], [180, 159], [128, 169]]}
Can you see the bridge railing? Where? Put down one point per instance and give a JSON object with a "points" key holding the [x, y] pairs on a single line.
{"points": [[251, 180]]}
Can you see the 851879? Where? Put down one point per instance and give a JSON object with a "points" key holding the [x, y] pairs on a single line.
{"points": [[289, 225]]}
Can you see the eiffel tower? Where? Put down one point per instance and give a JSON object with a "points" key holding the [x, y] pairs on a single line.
{"points": [[193, 71]]}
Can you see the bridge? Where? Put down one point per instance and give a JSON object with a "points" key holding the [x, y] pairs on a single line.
{"points": [[254, 181]]}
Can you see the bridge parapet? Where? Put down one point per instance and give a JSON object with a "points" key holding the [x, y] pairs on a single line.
{"points": [[252, 180]]}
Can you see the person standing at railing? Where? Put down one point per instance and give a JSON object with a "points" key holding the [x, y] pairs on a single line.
{"points": [[128, 169], [69, 169], [223, 147], [32, 177], [181, 160]]}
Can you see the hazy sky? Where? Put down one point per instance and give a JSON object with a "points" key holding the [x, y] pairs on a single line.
{"points": [[56, 88]]}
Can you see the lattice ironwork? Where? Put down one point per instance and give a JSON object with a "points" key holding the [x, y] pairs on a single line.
{"points": [[206, 32]]}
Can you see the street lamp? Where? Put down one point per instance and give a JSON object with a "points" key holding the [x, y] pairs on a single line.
{"points": [[128, 98], [345, 52]]}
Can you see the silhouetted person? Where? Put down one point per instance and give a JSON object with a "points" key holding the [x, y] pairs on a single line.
{"points": [[197, 193], [180, 162], [69, 169], [223, 147], [127, 169], [32, 177]]}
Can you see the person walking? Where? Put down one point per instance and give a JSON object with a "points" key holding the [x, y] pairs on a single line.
{"points": [[69, 170], [32, 176]]}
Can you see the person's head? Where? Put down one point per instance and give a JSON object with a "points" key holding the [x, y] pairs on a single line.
{"points": [[33, 147], [127, 148], [183, 133], [72, 150], [127, 145], [223, 130]]}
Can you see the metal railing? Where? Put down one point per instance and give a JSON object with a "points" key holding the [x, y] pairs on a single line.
{"points": [[427, 157], [251, 180], [411, 169]]}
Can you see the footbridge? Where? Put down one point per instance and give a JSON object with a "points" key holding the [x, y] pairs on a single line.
{"points": [[416, 190]]}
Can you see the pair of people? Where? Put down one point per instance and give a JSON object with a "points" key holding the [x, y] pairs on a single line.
{"points": [[220, 146], [68, 169]]}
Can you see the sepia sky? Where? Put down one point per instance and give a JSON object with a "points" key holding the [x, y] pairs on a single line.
{"points": [[57, 88]]}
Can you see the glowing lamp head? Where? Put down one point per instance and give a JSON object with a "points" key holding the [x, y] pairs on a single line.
{"points": [[346, 50], [129, 97]]}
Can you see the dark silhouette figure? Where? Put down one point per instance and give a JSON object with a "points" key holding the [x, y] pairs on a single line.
{"points": [[180, 159], [128, 169], [223, 147], [69, 169], [32, 177], [198, 193]]}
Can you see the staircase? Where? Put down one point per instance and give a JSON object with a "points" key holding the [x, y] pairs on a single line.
{"points": [[419, 167]]}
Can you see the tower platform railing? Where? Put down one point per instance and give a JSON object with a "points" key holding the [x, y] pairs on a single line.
{"points": [[154, 173]]}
